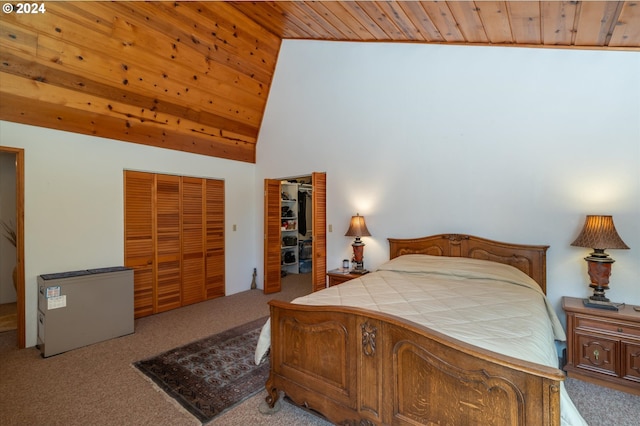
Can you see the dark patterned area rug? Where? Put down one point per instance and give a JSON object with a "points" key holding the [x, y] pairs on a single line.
{"points": [[211, 375]]}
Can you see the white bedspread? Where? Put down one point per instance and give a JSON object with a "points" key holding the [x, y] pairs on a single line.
{"points": [[487, 304]]}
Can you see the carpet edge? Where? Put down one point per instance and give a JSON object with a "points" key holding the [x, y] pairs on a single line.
{"points": [[165, 395]]}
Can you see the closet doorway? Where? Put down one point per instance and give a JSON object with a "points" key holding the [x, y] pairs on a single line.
{"points": [[295, 240], [12, 249]]}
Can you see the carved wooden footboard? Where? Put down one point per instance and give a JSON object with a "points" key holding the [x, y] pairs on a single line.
{"points": [[365, 368], [358, 367]]}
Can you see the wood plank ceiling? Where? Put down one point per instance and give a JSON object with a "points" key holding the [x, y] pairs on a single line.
{"points": [[587, 24], [195, 76]]}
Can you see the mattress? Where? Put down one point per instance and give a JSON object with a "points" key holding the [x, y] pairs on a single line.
{"points": [[486, 304]]}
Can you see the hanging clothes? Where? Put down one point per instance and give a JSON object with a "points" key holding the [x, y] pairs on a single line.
{"points": [[302, 212]]}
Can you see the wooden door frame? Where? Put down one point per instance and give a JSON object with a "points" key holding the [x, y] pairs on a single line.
{"points": [[20, 288]]}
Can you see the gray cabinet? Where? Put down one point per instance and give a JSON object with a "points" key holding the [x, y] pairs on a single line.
{"points": [[79, 308]]}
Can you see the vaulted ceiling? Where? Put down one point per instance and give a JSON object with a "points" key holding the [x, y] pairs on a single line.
{"points": [[195, 76]]}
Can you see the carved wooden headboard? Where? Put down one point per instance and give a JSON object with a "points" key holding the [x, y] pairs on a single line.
{"points": [[530, 259]]}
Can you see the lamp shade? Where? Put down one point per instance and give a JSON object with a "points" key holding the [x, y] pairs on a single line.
{"points": [[599, 233], [357, 227]]}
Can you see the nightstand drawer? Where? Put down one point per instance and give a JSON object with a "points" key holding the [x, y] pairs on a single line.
{"points": [[597, 353], [631, 360], [609, 326]]}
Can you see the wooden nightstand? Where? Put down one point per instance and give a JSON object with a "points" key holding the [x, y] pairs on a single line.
{"points": [[603, 346], [336, 277]]}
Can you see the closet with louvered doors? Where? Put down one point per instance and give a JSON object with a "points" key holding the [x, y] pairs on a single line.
{"points": [[174, 240]]}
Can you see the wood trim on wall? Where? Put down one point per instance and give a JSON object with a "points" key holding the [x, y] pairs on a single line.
{"points": [[20, 288]]}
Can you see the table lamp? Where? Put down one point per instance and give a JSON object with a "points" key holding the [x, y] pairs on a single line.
{"points": [[600, 234], [358, 228]]}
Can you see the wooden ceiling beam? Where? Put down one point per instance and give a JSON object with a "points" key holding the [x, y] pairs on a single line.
{"points": [[38, 110]]}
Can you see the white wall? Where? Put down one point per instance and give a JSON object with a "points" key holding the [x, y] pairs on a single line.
{"points": [[74, 203], [510, 144]]}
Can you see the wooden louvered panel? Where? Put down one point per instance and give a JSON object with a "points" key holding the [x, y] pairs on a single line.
{"points": [[215, 253], [168, 285], [143, 293], [168, 250], [272, 244], [139, 238], [193, 240], [319, 206], [215, 274]]}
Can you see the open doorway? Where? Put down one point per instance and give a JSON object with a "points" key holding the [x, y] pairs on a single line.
{"points": [[295, 232], [12, 245]]}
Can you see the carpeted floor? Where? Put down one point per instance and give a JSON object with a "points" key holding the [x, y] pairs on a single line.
{"points": [[97, 385], [602, 406]]}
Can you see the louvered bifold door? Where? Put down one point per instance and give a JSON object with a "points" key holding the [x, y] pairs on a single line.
{"points": [[272, 240], [168, 250], [139, 244], [215, 272], [193, 240], [319, 231], [174, 240]]}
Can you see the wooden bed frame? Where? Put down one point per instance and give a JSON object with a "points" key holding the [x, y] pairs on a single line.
{"points": [[358, 367]]}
